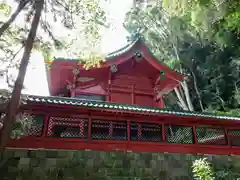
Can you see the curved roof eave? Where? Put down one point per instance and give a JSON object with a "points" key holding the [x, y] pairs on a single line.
{"points": [[109, 56], [122, 51]]}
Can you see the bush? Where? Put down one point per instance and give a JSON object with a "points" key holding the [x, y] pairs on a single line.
{"points": [[202, 170]]}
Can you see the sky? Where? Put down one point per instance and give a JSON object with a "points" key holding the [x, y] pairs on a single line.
{"points": [[112, 39]]}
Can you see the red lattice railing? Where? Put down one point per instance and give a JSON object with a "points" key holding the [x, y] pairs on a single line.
{"points": [[67, 127], [114, 130], [234, 137], [146, 132], [179, 134], [100, 129], [212, 136], [37, 126]]}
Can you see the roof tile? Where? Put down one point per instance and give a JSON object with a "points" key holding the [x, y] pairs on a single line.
{"points": [[126, 107]]}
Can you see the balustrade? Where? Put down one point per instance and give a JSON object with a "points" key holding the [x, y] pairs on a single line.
{"points": [[133, 131]]}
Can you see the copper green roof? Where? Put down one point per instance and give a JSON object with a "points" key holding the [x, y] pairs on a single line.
{"points": [[115, 106]]}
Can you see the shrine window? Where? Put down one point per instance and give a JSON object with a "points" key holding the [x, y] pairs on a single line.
{"points": [[179, 134], [36, 123], [145, 132], [109, 130], [36, 128], [90, 97], [119, 130], [68, 128], [100, 129], [211, 136], [234, 137]]}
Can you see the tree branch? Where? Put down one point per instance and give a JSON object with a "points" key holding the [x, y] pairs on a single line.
{"points": [[20, 7]]}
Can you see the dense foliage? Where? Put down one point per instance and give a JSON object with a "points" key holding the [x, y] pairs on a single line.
{"points": [[200, 39], [80, 23], [86, 15]]}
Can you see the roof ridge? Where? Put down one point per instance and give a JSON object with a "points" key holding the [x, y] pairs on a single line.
{"points": [[128, 107], [109, 55]]}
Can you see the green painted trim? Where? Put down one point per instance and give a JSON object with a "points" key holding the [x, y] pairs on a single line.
{"points": [[125, 107]]}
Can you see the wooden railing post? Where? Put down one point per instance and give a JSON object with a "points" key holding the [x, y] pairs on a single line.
{"points": [[45, 126], [163, 132], [226, 136], [90, 127], [195, 141], [128, 131]]}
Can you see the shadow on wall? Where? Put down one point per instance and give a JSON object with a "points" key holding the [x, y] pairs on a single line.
{"points": [[98, 165]]}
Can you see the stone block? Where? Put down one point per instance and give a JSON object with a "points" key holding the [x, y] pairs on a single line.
{"points": [[9, 153], [51, 154], [61, 154], [160, 156], [163, 175], [32, 153], [12, 169], [113, 172], [34, 162], [189, 157], [21, 153], [102, 154], [38, 172], [124, 171], [41, 153], [90, 163], [117, 163], [42, 162], [51, 162], [236, 163], [153, 164], [24, 163], [12, 162]]}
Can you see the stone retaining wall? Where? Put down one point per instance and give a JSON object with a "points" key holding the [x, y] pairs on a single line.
{"points": [[98, 165]]}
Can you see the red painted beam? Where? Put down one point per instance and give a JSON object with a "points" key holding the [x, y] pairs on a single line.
{"points": [[110, 145], [210, 146]]}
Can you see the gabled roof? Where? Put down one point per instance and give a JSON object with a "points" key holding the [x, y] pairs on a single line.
{"points": [[134, 46], [78, 103], [126, 53]]}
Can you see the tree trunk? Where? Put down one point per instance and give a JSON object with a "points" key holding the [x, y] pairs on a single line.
{"points": [[197, 91], [181, 100], [15, 98], [20, 7], [187, 95]]}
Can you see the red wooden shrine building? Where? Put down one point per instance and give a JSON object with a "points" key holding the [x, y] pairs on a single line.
{"points": [[120, 106]]}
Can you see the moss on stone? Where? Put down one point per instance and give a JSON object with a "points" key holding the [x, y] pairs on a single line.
{"points": [[99, 165]]}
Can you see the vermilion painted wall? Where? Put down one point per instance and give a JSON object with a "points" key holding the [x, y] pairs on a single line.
{"points": [[132, 83], [125, 89], [132, 90]]}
